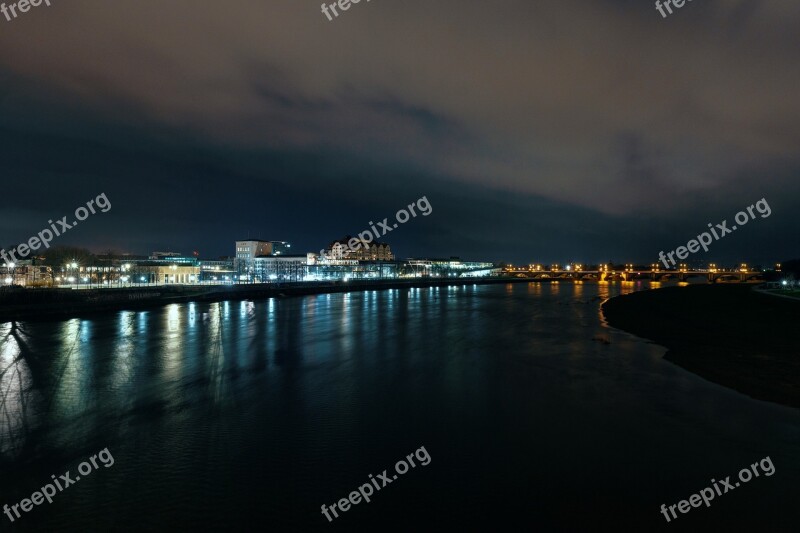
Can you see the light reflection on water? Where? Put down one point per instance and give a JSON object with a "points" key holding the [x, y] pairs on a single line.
{"points": [[15, 382], [281, 401]]}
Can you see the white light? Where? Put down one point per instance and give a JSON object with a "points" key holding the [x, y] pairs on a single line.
{"points": [[785, 282], [9, 281], [143, 278], [70, 279], [11, 265]]}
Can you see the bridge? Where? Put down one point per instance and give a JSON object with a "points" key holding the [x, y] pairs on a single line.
{"points": [[631, 273]]}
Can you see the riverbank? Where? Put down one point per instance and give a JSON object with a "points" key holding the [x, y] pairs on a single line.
{"points": [[728, 334], [47, 304]]}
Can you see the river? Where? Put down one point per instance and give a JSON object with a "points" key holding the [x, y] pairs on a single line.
{"points": [[242, 416]]}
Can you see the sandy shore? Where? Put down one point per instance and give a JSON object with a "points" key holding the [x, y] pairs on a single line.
{"points": [[728, 334]]}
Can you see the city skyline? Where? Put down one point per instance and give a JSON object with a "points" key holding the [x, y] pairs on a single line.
{"points": [[645, 145], [732, 261]]}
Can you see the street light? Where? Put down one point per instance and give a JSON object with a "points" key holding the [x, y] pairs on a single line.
{"points": [[73, 265], [11, 267]]}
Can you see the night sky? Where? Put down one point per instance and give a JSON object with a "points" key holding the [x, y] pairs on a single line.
{"points": [[551, 131]]}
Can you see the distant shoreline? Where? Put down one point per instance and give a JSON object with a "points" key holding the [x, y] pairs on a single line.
{"points": [[728, 334]]}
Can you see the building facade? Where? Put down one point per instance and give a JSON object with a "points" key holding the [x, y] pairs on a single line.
{"points": [[355, 249], [27, 275], [161, 272], [280, 268], [221, 270], [248, 251]]}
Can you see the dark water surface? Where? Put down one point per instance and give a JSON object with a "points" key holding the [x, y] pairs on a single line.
{"points": [[244, 416]]}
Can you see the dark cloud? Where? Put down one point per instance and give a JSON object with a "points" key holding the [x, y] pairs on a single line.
{"points": [[546, 130]]}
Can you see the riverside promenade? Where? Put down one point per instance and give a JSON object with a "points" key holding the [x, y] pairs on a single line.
{"points": [[33, 304]]}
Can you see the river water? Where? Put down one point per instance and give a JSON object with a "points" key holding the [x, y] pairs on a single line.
{"points": [[239, 416]]}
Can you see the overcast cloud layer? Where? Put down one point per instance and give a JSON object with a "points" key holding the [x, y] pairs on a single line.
{"points": [[551, 130]]}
